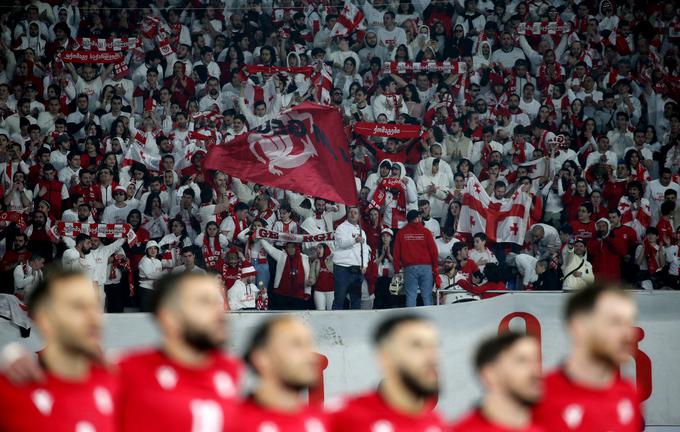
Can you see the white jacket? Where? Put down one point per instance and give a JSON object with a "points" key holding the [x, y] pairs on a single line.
{"points": [[572, 263], [242, 296], [150, 269], [329, 217], [25, 279], [280, 257], [347, 252], [98, 260]]}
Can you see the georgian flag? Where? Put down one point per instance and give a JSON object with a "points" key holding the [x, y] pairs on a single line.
{"points": [[502, 222], [351, 19], [323, 85], [137, 153]]}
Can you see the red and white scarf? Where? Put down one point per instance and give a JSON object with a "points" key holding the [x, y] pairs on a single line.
{"points": [[390, 185], [212, 256], [447, 67], [72, 229], [107, 44]]}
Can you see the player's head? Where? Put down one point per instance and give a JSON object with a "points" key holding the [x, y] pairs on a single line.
{"points": [[601, 319], [66, 308], [509, 365], [282, 351], [408, 352], [189, 307]]}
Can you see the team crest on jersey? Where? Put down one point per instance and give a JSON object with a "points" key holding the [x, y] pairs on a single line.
{"points": [[625, 411], [314, 425], [84, 426], [102, 398], [167, 377], [224, 385], [42, 400], [382, 426], [268, 427], [573, 415]]}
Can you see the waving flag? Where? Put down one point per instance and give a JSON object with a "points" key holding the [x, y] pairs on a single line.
{"points": [[137, 153], [300, 150], [351, 19], [502, 222]]}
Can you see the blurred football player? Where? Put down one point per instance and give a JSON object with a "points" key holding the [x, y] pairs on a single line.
{"points": [[188, 383], [408, 357], [69, 390], [282, 353], [509, 368], [587, 392]]}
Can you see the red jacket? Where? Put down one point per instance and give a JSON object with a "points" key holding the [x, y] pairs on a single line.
{"points": [[415, 245], [605, 255]]}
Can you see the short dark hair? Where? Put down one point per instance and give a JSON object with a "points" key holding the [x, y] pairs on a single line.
{"points": [[260, 337], [491, 348], [583, 301], [165, 288], [42, 291], [386, 327]]}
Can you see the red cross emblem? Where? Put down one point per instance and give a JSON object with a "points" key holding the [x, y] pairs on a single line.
{"points": [[472, 221], [514, 228]]}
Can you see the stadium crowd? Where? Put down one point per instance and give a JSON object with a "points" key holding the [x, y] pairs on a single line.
{"points": [[575, 103]]}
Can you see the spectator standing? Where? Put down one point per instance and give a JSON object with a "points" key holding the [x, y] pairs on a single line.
{"points": [[416, 252], [350, 260]]}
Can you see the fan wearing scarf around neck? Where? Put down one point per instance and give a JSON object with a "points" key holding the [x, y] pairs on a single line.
{"points": [[290, 280]]}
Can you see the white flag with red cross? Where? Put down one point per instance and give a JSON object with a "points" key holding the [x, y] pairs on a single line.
{"points": [[351, 19], [503, 221]]}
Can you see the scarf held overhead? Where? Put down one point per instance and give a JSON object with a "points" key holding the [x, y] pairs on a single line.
{"points": [[452, 67], [264, 233], [72, 229], [71, 56], [401, 131]]}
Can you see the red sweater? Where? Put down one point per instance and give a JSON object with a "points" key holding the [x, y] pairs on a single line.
{"points": [[605, 255], [583, 230], [415, 245]]}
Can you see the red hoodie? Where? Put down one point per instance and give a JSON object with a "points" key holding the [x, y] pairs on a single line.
{"points": [[415, 245]]}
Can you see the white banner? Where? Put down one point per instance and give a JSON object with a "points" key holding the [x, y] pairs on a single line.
{"points": [[351, 367]]}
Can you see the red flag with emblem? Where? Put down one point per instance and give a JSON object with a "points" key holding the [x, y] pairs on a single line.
{"points": [[300, 150], [503, 221]]}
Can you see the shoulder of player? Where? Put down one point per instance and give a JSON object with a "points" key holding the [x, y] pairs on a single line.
{"points": [[136, 358], [469, 421], [341, 404], [229, 363]]}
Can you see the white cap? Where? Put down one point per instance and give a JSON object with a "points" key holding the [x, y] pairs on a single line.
{"points": [[150, 244]]}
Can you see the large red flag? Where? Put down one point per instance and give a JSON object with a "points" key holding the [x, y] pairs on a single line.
{"points": [[304, 150]]}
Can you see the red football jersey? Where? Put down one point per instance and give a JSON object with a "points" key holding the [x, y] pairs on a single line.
{"points": [[568, 406], [476, 422], [370, 413], [60, 405], [157, 394], [252, 417]]}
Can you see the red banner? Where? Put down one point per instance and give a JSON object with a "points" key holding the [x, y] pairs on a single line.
{"points": [[270, 70], [14, 216], [302, 150], [91, 56], [401, 131]]}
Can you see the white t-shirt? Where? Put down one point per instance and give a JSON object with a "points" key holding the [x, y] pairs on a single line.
{"points": [[395, 37]]}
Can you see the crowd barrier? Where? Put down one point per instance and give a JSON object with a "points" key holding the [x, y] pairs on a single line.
{"points": [[344, 343]]}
